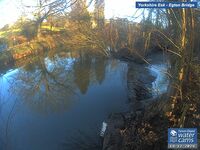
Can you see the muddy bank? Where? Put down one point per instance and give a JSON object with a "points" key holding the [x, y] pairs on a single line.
{"points": [[140, 127]]}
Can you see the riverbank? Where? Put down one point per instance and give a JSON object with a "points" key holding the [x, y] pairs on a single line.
{"points": [[48, 45], [145, 125]]}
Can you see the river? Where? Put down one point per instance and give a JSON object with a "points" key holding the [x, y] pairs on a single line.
{"points": [[55, 103], [59, 102]]}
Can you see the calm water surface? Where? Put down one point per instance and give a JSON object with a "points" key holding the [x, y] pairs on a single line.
{"points": [[59, 103]]}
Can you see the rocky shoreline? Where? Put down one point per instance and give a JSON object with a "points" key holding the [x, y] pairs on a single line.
{"points": [[136, 129]]}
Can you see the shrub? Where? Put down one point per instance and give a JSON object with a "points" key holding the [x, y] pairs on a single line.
{"points": [[29, 30]]}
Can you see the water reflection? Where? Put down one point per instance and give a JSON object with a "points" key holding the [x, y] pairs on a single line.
{"points": [[39, 82], [160, 85], [100, 65], [82, 71], [87, 69], [50, 99], [49, 84]]}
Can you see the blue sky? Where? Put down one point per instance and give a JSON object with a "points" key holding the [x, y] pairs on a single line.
{"points": [[10, 9]]}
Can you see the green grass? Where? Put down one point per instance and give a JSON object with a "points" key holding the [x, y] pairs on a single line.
{"points": [[9, 32], [16, 31], [56, 29]]}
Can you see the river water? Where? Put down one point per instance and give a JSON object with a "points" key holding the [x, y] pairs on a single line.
{"points": [[60, 102]]}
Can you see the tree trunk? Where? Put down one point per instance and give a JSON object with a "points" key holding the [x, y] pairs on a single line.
{"points": [[38, 28]]}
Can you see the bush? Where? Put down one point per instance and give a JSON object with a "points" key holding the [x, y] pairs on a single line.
{"points": [[29, 30]]}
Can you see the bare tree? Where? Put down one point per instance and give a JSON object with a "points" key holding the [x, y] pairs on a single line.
{"points": [[45, 8], [99, 12]]}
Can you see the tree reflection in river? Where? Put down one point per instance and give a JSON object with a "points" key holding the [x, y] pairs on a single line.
{"points": [[100, 68], [44, 84], [49, 84], [82, 71], [42, 104]]}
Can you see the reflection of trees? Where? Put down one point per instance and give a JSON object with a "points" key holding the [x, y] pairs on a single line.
{"points": [[100, 68], [44, 85], [82, 68], [86, 68], [114, 64]]}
